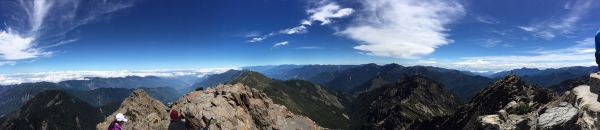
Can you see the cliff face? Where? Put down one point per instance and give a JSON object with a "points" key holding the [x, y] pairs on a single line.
{"points": [[237, 107], [142, 111]]}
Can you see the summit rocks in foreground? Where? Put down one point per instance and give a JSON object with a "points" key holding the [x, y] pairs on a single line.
{"points": [[237, 107], [510, 104]]}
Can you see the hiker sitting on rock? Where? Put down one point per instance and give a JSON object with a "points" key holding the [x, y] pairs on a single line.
{"points": [[176, 123], [119, 121]]}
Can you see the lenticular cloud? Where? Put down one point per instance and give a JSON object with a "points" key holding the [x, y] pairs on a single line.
{"points": [[403, 28]]}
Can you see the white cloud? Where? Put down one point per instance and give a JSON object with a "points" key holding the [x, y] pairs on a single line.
{"points": [[487, 19], [295, 30], [563, 24], [324, 13], [10, 79], [491, 42], [29, 21], [528, 29], [555, 58], [280, 44], [403, 28], [587, 42]]}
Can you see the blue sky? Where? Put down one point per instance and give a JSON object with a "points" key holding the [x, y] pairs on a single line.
{"points": [[475, 35]]}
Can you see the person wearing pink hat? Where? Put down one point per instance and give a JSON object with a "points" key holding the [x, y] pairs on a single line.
{"points": [[119, 121]]}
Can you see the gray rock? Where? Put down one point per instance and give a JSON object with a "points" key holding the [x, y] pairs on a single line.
{"points": [[237, 107], [142, 111], [558, 118]]}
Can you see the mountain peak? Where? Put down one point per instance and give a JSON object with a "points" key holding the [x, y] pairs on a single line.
{"points": [[237, 107], [143, 112], [50, 109], [399, 105], [252, 78]]}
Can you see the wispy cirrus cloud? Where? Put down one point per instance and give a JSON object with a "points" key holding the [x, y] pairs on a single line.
{"points": [[562, 25], [403, 28], [284, 43], [33, 26], [324, 13]]}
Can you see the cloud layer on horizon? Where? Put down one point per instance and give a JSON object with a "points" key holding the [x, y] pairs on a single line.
{"points": [[58, 76]]}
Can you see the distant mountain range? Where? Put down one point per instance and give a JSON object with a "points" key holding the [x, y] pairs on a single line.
{"points": [[367, 96], [17, 95]]}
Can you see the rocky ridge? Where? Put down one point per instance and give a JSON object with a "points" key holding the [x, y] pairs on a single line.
{"points": [[577, 109], [237, 107]]}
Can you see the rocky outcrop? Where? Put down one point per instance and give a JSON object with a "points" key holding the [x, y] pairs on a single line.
{"points": [[589, 108], [237, 107], [507, 104], [142, 111], [558, 117], [576, 109]]}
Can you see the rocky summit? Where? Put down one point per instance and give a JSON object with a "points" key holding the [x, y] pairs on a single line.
{"points": [[142, 111], [237, 107], [576, 109]]}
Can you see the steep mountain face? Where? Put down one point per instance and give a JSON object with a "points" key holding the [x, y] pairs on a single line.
{"points": [[237, 107], [508, 96], [142, 111], [18, 95], [397, 106], [53, 110], [301, 97]]}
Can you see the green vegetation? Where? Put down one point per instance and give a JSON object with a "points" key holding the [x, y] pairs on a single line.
{"points": [[519, 109], [300, 97]]}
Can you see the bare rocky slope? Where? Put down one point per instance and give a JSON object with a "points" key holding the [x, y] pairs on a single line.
{"points": [[142, 111], [237, 107], [510, 104], [220, 107]]}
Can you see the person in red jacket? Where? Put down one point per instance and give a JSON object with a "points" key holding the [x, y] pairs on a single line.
{"points": [[176, 122]]}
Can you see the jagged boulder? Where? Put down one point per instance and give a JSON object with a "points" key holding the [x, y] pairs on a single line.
{"points": [[143, 112], [237, 107], [589, 108], [558, 118]]}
